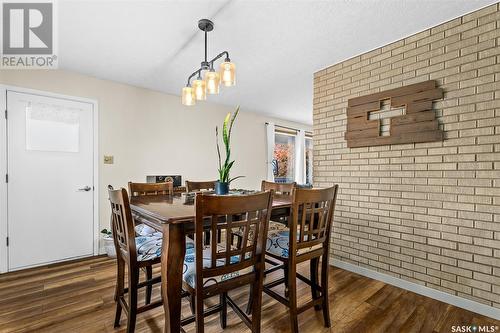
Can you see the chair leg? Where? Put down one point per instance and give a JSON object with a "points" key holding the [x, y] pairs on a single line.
{"points": [[324, 285], [119, 291], [199, 313], [250, 301], [256, 295], [285, 273], [292, 297], [132, 299], [314, 267], [239, 241], [149, 287], [223, 312], [192, 302]]}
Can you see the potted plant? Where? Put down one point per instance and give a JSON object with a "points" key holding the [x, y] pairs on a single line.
{"points": [[107, 240], [222, 184]]}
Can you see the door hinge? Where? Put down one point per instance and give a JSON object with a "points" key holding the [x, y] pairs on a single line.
{"points": [[5, 114], [6, 178], [7, 241]]}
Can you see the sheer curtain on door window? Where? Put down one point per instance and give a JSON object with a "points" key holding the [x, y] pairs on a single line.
{"points": [[309, 161], [300, 157], [270, 151]]}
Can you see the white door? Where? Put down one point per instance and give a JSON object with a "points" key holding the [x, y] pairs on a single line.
{"points": [[50, 179]]}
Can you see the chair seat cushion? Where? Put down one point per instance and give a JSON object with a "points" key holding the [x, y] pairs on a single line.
{"points": [[145, 230], [278, 237], [189, 272], [148, 247], [239, 231]]}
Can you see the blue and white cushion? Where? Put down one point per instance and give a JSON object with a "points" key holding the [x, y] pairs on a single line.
{"points": [[145, 230], [278, 237], [189, 272], [148, 247]]}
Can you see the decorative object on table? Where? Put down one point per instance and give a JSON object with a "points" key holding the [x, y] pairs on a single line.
{"points": [[176, 179], [222, 184], [189, 196], [400, 115], [212, 79], [107, 240]]}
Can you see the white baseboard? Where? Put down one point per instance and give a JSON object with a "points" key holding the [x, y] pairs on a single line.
{"points": [[460, 302]]}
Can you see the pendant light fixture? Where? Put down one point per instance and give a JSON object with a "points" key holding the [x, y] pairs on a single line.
{"points": [[211, 79], [200, 89]]}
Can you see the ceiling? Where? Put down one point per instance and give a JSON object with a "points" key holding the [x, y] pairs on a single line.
{"points": [[276, 45]]}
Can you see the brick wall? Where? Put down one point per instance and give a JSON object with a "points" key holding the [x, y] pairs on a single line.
{"points": [[428, 213]]}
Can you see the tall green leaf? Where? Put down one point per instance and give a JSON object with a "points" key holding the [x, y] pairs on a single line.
{"points": [[217, 143], [225, 168]]}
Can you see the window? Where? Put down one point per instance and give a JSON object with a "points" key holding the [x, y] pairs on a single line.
{"points": [[284, 158], [309, 160], [290, 155]]}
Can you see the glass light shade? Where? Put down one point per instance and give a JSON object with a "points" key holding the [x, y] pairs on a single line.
{"points": [[212, 80], [228, 73], [200, 89], [188, 96]]}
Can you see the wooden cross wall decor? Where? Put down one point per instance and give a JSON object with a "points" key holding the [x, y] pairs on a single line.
{"points": [[401, 115]]}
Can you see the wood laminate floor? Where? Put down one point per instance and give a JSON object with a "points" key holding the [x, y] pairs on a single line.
{"points": [[78, 297]]}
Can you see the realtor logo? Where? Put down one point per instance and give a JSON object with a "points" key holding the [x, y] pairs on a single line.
{"points": [[28, 35]]}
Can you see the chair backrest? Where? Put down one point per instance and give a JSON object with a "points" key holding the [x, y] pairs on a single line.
{"points": [[311, 218], [141, 189], [198, 186], [247, 213], [279, 188], [122, 224]]}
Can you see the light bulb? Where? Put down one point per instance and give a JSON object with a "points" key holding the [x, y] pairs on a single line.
{"points": [[188, 96], [212, 80], [200, 89], [228, 75]]}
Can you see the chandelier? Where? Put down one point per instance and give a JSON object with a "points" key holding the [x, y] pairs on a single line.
{"points": [[211, 80]]}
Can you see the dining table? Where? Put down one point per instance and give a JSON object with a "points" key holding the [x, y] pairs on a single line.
{"points": [[174, 216]]}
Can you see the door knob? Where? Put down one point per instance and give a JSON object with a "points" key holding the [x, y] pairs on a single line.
{"points": [[86, 188]]}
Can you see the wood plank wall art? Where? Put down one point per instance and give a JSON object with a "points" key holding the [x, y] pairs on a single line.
{"points": [[401, 115]]}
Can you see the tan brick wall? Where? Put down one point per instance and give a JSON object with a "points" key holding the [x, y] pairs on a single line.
{"points": [[428, 213]]}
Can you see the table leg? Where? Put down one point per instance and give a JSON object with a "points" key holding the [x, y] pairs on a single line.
{"points": [[172, 265]]}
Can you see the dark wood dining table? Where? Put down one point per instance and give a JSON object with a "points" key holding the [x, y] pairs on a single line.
{"points": [[174, 216]]}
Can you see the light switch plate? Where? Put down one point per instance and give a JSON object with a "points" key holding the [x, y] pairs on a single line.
{"points": [[108, 159]]}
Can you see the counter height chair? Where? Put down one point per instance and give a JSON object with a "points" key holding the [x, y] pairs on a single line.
{"points": [[278, 219], [305, 239], [135, 252], [215, 269], [199, 186], [192, 186], [281, 189], [142, 189]]}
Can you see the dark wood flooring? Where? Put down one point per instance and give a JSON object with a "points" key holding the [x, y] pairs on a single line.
{"points": [[78, 297]]}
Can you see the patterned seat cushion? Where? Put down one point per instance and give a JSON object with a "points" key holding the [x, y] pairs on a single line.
{"points": [[239, 231], [148, 247], [145, 230], [278, 236], [189, 272]]}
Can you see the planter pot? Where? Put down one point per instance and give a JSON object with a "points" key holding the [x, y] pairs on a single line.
{"points": [[221, 188], [109, 246]]}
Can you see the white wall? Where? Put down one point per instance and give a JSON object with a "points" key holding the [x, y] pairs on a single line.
{"points": [[149, 132]]}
